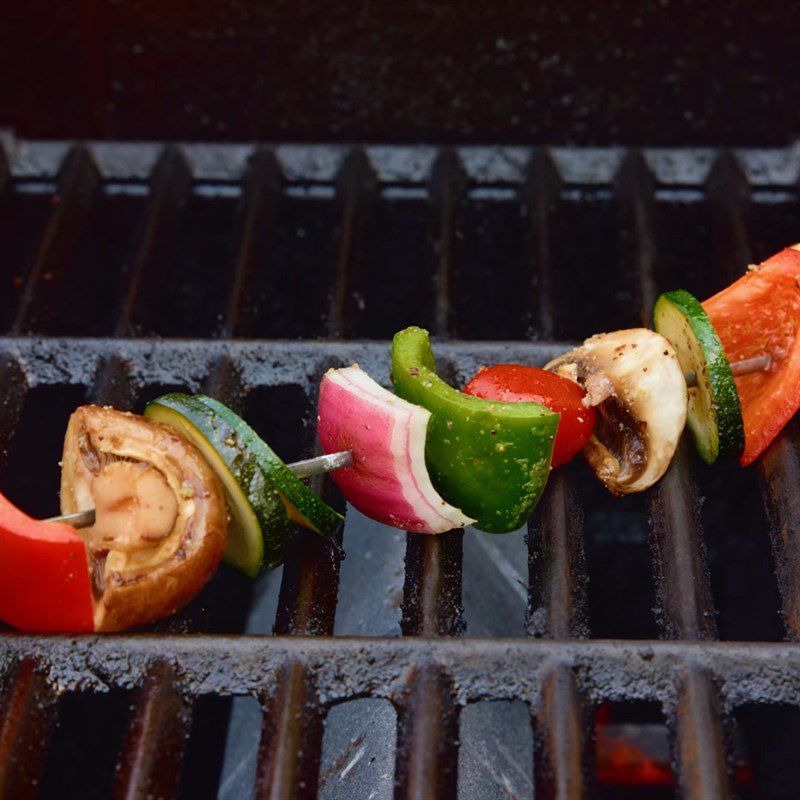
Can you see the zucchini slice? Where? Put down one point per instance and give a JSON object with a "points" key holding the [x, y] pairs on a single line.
{"points": [[303, 505], [259, 530], [715, 414]]}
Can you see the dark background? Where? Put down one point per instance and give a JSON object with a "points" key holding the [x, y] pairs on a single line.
{"points": [[553, 72]]}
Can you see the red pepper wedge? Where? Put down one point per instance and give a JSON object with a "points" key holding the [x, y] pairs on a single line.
{"points": [[44, 574], [758, 314]]}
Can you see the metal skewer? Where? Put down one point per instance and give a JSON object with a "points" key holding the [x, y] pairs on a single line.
{"points": [[80, 519], [303, 469], [744, 367], [321, 464]]}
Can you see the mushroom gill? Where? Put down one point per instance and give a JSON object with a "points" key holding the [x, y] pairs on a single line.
{"points": [[160, 516], [635, 381]]}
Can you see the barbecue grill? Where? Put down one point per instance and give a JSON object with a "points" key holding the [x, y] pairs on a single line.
{"points": [[669, 602], [663, 625]]}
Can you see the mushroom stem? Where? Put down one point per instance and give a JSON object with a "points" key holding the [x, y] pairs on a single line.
{"points": [[306, 468], [745, 367]]}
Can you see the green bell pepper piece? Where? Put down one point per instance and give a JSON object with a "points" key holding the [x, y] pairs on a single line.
{"points": [[488, 458]]}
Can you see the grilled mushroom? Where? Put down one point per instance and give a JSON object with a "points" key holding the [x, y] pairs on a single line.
{"points": [[161, 519], [634, 379]]}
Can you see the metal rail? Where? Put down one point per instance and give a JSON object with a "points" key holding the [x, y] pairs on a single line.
{"points": [[379, 666]]}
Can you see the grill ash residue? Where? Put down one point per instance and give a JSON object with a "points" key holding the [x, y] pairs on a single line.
{"points": [[358, 751], [494, 759]]}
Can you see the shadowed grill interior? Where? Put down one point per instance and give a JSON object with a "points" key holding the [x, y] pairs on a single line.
{"points": [[131, 269]]}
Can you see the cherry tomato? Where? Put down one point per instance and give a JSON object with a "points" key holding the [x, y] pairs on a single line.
{"points": [[515, 383]]}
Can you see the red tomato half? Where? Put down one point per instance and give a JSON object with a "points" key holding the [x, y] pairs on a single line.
{"points": [[760, 313], [515, 383]]}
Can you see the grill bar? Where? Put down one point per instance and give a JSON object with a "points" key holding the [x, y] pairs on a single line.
{"points": [[427, 719], [426, 763], [557, 592], [169, 185], [728, 195], [557, 570], [684, 591], [432, 592], [291, 739], [542, 191], [686, 612], [401, 164], [427, 723], [779, 470], [446, 185], [151, 757], [635, 189], [699, 743], [354, 184], [559, 737], [257, 213], [556, 609], [26, 716], [346, 667], [77, 184]]}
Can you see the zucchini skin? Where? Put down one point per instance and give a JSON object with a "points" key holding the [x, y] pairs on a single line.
{"points": [[274, 527], [715, 374], [302, 504]]}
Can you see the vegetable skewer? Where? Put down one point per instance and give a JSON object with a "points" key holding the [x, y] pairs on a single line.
{"points": [[303, 469], [332, 461]]}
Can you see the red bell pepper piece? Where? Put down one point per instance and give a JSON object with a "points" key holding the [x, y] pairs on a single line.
{"points": [[760, 314], [44, 574]]}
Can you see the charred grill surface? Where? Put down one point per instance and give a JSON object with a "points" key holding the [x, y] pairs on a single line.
{"points": [[246, 273]]}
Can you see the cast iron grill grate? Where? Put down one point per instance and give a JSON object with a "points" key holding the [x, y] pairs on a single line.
{"points": [[315, 251]]}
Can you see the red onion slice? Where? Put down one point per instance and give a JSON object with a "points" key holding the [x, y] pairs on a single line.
{"points": [[388, 481]]}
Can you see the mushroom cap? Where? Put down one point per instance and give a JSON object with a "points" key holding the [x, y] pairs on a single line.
{"points": [[136, 585], [634, 378]]}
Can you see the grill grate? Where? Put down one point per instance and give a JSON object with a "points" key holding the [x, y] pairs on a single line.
{"points": [[223, 245]]}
